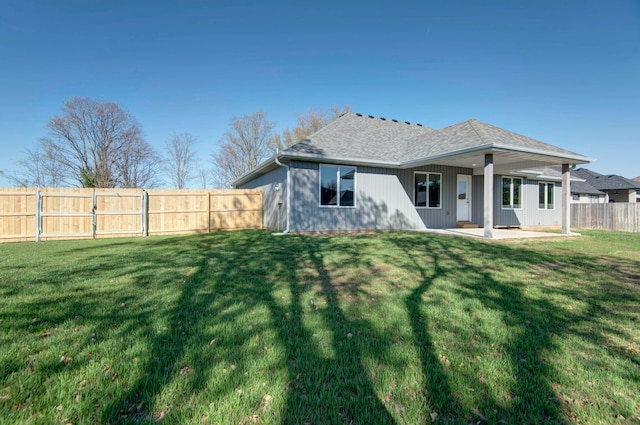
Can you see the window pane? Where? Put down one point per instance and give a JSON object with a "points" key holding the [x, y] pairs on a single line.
{"points": [[517, 183], [328, 185], [506, 192], [420, 190], [434, 190], [462, 189], [541, 193], [550, 195], [347, 180]]}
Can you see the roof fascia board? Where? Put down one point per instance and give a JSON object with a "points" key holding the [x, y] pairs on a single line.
{"points": [[495, 148], [573, 157], [256, 171], [339, 160], [488, 148]]}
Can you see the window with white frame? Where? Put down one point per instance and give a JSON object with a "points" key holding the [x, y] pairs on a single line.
{"points": [[545, 196], [427, 191], [511, 192], [337, 186]]}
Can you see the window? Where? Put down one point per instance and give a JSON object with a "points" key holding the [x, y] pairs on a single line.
{"points": [[337, 186], [575, 197], [545, 196], [427, 191], [512, 192]]}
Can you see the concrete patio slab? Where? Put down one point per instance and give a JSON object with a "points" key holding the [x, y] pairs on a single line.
{"points": [[501, 234]]}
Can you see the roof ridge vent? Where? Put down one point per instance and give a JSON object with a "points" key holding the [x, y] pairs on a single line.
{"points": [[371, 116], [394, 120], [359, 114], [407, 122], [419, 125], [383, 119]]}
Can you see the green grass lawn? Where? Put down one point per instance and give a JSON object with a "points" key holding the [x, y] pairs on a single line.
{"points": [[244, 327]]}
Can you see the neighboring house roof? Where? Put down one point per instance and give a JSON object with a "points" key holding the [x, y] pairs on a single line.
{"points": [[636, 179], [367, 140], [584, 188], [578, 185], [607, 182]]}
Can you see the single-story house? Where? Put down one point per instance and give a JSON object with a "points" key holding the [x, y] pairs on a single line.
{"points": [[583, 193], [616, 188], [367, 173]]}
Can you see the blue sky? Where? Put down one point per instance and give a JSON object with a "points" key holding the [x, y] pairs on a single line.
{"points": [[564, 72]]}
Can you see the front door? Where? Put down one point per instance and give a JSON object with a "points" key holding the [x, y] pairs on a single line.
{"points": [[464, 198]]}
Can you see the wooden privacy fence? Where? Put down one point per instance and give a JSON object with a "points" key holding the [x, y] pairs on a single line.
{"points": [[621, 216], [50, 214]]}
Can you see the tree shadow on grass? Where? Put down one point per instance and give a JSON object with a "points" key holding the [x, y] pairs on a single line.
{"points": [[332, 388], [185, 352], [203, 341], [536, 322]]}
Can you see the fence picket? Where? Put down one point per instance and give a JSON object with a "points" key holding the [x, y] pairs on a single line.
{"points": [[618, 216], [48, 214]]}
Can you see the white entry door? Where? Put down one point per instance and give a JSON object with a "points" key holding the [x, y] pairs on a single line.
{"points": [[464, 198]]}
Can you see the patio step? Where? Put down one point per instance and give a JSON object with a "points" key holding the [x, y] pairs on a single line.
{"points": [[466, 225]]}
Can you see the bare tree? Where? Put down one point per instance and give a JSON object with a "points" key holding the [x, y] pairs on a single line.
{"points": [[180, 159], [138, 165], [308, 124], [242, 148], [101, 145], [202, 174], [41, 167]]}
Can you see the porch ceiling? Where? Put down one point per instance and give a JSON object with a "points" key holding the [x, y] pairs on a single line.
{"points": [[504, 161]]}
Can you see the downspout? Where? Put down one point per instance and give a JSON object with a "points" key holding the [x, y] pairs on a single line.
{"points": [[286, 230]]}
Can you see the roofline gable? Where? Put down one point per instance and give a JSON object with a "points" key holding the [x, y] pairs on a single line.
{"points": [[381, 144]]}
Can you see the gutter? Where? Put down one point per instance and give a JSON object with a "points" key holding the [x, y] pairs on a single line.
{"points": [[247, 176], [286, 230], [493, 148]]}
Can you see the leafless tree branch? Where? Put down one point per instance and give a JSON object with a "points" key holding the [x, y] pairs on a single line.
{"points": [[242, 148], [180, 159]]}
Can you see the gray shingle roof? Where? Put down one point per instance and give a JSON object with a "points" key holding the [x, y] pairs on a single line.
{"points": [[360, 137], [606, 182], [584, 188], [367, 138]]}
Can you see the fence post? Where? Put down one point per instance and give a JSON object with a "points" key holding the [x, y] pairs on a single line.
{"points": [[208, 211], [94, 219], [38, 214], [145, 213]]}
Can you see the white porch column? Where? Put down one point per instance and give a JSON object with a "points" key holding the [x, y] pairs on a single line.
{"points": [[488, 195], [566, 199]]}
